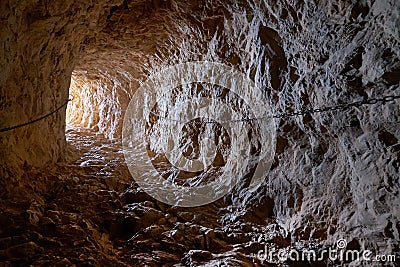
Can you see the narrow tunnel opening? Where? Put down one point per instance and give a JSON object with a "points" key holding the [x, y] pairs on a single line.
{"points": [[93, 129], [98, 104], [76, 108], [330, 186]]}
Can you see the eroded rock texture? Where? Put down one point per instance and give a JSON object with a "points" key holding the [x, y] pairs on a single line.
{"points": [[335, 174]]}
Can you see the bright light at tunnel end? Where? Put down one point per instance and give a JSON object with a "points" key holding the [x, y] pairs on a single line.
{"points": [[166, 138]]}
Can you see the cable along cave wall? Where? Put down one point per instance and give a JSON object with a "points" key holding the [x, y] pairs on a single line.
{"points": [[328, 180]]}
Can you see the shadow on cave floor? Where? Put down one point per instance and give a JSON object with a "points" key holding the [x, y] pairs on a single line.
{"points": [[89, 212]]}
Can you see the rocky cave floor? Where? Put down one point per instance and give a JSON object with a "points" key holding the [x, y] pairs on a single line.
{"points": [[89, 212]]}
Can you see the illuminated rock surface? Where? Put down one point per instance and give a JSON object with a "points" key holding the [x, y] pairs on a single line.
{"points": [[335, 175]]}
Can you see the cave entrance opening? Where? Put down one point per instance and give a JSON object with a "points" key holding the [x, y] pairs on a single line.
{"points": [[95, 149], [100, 101], [82, 111]]}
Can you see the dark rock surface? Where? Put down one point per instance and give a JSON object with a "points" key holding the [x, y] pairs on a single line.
{"points": [[79, 219], [335, 174]]}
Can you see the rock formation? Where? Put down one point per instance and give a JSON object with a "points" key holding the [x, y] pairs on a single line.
{"points": [[67, 197]]}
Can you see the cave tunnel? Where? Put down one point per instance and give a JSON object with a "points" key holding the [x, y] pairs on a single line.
{"points": [[303, 95]]}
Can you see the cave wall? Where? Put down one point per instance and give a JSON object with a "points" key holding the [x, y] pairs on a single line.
{"points": [[40, 41], [328, 180], [335, 174]]}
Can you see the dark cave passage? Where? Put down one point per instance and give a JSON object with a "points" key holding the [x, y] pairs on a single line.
{"points": [[185, 91]]}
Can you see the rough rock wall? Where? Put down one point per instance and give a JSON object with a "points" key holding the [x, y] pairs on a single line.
{"points": [[328, 180], [342, 178], [40, 40]]}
